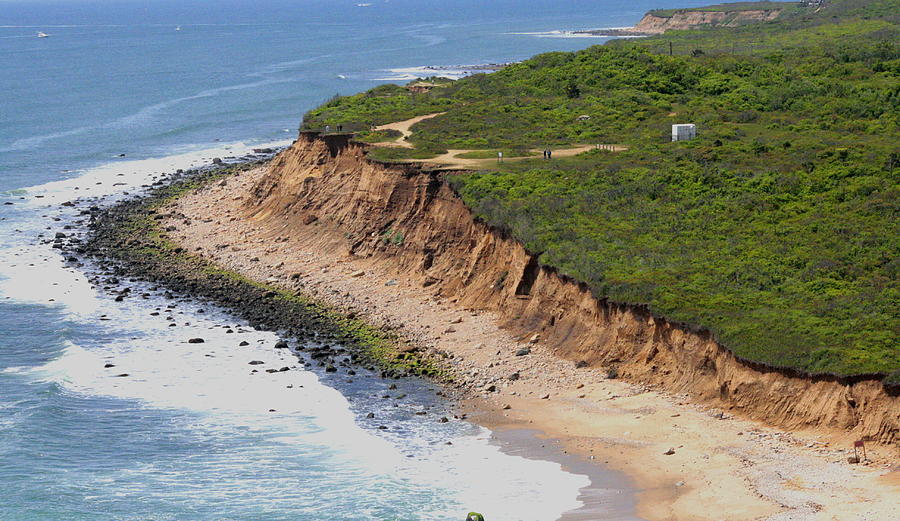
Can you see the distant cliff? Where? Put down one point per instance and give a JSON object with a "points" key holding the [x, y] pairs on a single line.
{"points": [[658, 22], [652, 23]]}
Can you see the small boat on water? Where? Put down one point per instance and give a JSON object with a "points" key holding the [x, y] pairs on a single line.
{"points": [[178, 28], [42, 34]]}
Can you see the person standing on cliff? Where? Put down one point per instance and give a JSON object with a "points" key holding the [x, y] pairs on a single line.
{"points": [[545, 153], [549, 154]]}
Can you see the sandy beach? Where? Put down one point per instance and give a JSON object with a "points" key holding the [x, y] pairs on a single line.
{"points": [[688, 462]]}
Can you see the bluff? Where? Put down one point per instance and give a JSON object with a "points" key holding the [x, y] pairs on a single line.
{"points": [[653, 23], [325, 192]]}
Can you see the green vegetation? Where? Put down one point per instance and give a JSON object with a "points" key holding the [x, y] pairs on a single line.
{"points": [[777, 228], [378, 136], [391, 237], [383, 104]]}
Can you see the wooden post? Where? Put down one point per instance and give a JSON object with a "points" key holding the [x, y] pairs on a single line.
{"points": [[862, 445]]}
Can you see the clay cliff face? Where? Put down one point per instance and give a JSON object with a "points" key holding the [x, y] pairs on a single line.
{"points": [[652, 24], [412, 222]]}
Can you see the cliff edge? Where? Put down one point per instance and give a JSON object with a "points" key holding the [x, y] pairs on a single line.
{"points": [[660, 21], [655, 24], [411, 221]]}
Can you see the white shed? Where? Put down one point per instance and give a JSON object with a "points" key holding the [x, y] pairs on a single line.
{"points": [[684, 132]]}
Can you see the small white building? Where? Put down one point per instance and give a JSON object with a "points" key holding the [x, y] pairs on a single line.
{"points": [[684, 132]]}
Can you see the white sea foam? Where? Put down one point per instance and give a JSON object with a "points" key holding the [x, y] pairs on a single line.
{"points": [[576, 34], [216, 393], [214, 381], [426, 71], [119, 176]]}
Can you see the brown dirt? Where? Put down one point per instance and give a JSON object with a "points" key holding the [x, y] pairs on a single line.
{"points": [[324, 212]]}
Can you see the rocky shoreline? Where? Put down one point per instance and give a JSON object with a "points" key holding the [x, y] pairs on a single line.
{"points": [[236, 261], [353, 230], [128, 241]]}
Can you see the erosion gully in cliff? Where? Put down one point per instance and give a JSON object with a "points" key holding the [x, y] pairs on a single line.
{"points": [[327, 179]]}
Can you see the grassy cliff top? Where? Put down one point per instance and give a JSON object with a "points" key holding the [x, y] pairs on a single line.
{"points": [[731, 7], [777, 228]]}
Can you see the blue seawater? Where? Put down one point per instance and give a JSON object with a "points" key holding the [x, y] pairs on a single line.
{"points": [[191, 433]]}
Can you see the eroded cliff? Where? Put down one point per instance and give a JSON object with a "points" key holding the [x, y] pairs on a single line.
{"points": [[324, 191], [655, 24]]}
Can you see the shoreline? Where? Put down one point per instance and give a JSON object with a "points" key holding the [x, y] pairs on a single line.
{"points": [[105, 234], [608, 497], [766, 472]]}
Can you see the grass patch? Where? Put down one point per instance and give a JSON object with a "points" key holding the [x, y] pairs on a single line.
{"points": [[378, 136]]}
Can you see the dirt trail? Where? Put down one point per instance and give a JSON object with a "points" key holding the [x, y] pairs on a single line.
{"points": [[404, 128], [451, 160]]}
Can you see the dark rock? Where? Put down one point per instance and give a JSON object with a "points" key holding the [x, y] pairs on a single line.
{"points": [[255, 362], [370, 415], [524, 351], [244, 343], [281, 344], [195, 341]]}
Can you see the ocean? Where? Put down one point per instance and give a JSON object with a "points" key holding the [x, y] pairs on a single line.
{"points": [[121, 91]]}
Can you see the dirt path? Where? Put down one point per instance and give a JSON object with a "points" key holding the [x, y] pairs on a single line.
{"points": [[451, 160], [403, 127]]}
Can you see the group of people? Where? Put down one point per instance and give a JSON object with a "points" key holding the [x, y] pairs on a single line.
{"points": [[548, 154]]}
